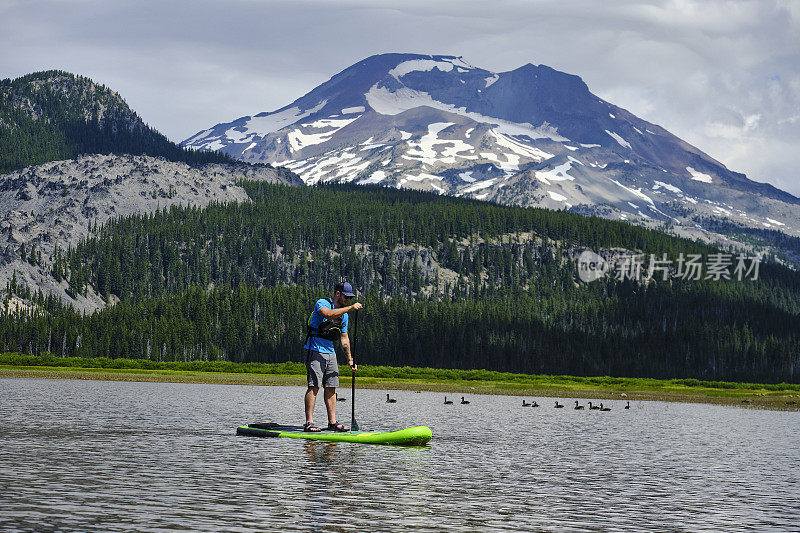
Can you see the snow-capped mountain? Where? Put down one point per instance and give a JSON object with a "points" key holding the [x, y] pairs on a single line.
{"points": [[530, 136]]}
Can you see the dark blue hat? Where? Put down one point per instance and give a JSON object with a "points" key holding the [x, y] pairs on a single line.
{"points": [[345, 288]]}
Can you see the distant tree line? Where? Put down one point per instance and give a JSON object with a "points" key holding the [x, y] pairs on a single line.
{"points": [[381, 239], [237, 281], [760, 238]]}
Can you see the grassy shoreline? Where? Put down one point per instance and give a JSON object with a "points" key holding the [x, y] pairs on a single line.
{"points": [[766, 396]]}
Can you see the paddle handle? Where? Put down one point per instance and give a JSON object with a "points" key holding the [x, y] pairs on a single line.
{"points": [[353, 423]]}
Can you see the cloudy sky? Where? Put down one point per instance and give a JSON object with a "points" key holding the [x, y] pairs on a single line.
{"points": [[722, 75]]}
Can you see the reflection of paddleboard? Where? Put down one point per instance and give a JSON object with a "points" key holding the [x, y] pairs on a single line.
{"points": [[416, 436]]}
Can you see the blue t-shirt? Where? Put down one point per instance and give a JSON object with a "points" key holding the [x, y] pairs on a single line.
{"points": [[317, 343]]}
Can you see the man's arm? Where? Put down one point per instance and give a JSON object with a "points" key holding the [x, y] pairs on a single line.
{"points": [[345, 343], [339, 311]]}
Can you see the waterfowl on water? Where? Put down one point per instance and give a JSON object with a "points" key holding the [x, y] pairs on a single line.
{"points": [[525, 404], [535, 404], [390, 400], [593, 407], [628, 405], [604, 408], [463, 401], [341, 398], [578, 406], [558, 405], [446, 401]]}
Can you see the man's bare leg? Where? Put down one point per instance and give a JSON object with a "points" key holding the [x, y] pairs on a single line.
{"points": [[330, 403], [311, 401]]}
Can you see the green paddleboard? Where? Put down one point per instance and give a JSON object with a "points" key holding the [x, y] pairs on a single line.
{"points": [[416, 436]]}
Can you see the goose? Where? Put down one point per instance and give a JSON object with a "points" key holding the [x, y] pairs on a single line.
{"points": [[390, 400], [604, 408], [558, 405], [628, 405], [534, 404], [463, 401], [578, 406], [593, 407], [525, 404], [446, 401]]}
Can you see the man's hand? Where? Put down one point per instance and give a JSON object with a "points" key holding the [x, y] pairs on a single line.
{"points": [[356, 306], [352, 365]]}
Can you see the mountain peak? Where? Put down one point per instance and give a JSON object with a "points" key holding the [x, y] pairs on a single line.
{"points": [[531, 136]]}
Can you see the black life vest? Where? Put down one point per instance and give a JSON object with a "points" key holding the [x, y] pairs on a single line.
{"points": [[329, 329]]}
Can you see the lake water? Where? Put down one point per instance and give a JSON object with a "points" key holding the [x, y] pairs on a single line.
{"points": [[120, 456]]}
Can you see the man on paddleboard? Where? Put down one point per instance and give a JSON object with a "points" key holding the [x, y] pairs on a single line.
{"points": [[328, 322]]}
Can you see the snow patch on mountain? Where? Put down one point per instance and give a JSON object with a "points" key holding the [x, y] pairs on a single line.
{"points": [[698, 176], [559, 173], [425, 150], [376, 177], [262, 125], [478, 186], [387, 102], [617, 137], [419, 65], [298, 139], [671, 188], [635, 192], [518, 148]]}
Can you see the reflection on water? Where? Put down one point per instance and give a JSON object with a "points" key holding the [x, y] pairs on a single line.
{"points": [[117, 456]]}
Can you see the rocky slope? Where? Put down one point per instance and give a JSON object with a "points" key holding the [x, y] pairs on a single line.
{"points": [[56, 204]]}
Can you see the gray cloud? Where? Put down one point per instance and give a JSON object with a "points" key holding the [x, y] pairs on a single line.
{"points": [[721, 74]]}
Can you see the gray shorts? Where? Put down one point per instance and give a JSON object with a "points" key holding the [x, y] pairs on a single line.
{"points": [[321, 369]]}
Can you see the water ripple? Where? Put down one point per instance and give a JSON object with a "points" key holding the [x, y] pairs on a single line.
{"points": [[120, 456]]}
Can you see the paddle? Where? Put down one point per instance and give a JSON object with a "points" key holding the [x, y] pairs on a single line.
{"points": [[353, 423]]}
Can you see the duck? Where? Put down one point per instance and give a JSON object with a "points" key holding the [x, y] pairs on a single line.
{"points": [[463, 401], [558, 405], [578, 406], [593, 407], [534, 404], [341, 399], [604, 408], [628, 405], [390, 400], [446, 401], [525, 404]]}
